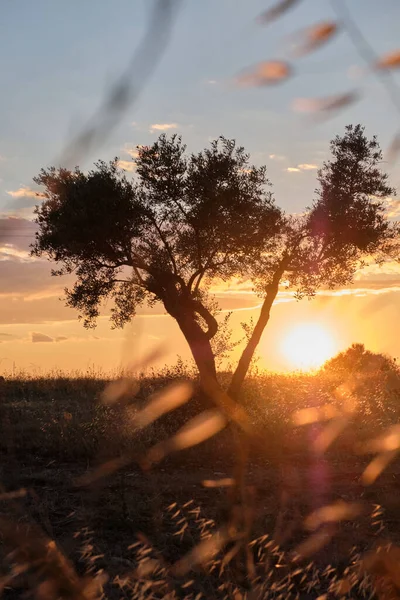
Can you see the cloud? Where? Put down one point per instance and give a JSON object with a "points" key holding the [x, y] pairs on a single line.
{"points": [[378, 274], [302, 167], [307, 167], [8, 251], [163, 126], [360, 292], [25, 192], [61, 338], [17, 212], [40, 337], [30, 280], [10, 224], [277, 157], [127, 165], [14, 311], [16, 235], [133, 151], [7, 337], [211, 81], [393, 207], [23, 197]]}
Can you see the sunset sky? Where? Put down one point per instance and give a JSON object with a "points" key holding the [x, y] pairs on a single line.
{"points": [[58, 60]]}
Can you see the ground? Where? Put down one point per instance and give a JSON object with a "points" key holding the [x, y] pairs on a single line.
{"points": [[57, 432]]}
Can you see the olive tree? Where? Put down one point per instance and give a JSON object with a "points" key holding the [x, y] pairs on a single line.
{"points": [[181, 222], [324, 247]]}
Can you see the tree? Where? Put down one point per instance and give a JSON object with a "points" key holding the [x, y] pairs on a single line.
{"points": [[358, 360], [325, 246], [187, 220], [183, 221]]}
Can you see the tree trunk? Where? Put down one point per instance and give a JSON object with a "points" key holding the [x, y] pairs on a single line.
{"points": [[200, 346], [248, 353], [183, 308]]}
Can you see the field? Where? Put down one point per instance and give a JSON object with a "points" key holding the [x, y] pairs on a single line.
{"points": [[57, 431]]}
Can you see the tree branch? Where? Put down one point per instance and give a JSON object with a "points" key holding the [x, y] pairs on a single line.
{"points": [[137, 262], [208, 317], [138, 275], [102, 265], [201, 275], [193, 277], [201, 272], [166, 244]]}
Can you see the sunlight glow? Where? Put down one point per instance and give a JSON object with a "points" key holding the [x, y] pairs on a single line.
{"points": [[308, 346]]}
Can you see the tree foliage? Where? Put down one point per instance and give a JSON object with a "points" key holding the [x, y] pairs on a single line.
{"points": [[345, 224]]}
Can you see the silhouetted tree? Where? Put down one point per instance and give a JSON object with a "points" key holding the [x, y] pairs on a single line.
{"points": [[185, 220], [325, 246], [182, 221], [357, 360]]}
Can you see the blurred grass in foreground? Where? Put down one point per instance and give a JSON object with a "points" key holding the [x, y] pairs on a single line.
{"points": [[159, 534]]}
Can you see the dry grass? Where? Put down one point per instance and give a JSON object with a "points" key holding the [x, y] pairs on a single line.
{"points": [[63, 416], [161, 534]]}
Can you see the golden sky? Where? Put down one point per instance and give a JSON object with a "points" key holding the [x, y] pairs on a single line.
{"points": [[52, 87], [38, 333]]}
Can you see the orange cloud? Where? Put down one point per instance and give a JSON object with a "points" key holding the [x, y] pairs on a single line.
{"points": [[133, 151], [40, 337], [307, 167], [302, 167], [163, 126], [393, 206], [127, 165], [9, 251], [24, 192]]}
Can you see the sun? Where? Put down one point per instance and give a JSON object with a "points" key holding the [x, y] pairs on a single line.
{"points": [[308, 346]]}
